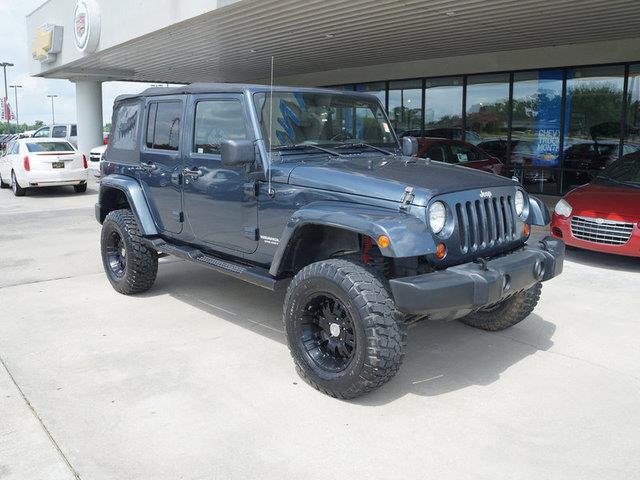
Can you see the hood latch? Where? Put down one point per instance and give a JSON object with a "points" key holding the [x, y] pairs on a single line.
{"points": [[407, 198]]}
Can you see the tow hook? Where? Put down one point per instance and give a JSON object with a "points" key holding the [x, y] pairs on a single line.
{"points": [[482, 263]]}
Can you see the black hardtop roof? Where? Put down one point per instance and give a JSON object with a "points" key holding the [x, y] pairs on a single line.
{"points": [[227, 88]]}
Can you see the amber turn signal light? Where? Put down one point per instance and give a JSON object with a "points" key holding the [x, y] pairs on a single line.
{"points": [[441, 251], [383, 241], [525, 230]]}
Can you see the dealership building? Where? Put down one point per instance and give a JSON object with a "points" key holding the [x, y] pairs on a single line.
{"points": [[552, 88]]}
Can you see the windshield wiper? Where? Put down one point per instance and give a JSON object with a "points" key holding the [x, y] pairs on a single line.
{"points": [[365, 145], [303, 146]]}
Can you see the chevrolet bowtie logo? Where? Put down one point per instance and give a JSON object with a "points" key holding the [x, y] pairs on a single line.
{"points": [[47, 43]]}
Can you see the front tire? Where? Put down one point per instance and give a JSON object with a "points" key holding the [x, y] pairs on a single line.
{"points": [[131, 266], [18, 191], [345, 334], [506, 313]]}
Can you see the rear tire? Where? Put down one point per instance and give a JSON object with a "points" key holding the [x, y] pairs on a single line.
{"points": [[18, 191], [2, 184], [506, 313], [81, 188], [131, 266], [345, 334]]}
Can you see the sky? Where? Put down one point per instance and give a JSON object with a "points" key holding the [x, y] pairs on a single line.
{"points": [[33, 103]]}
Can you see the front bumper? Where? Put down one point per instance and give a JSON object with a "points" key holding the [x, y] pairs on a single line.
{"points": [[461, 289]]}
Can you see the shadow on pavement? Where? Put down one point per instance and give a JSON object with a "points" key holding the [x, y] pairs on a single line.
{"points": [[603, 260], [441, 356]]}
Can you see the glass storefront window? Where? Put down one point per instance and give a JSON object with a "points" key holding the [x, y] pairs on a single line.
{"points": [[405, 107], [443, 108], [593, 114], [535, 129], [632, 131], [379, 89], [487, 108]]}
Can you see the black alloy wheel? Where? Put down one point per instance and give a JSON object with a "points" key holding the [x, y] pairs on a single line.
{"points": [[116, 254]]}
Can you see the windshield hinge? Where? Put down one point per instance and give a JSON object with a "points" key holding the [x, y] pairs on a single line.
{"points": [[407, 198]]}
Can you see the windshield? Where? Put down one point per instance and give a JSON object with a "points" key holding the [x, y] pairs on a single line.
{"points": [[49, 147], [626, 170], [323, 119]]}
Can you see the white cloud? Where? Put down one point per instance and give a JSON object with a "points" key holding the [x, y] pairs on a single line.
{"points": [[33, 103]]}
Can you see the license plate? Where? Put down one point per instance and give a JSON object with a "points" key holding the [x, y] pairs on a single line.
{"points": [[57, 164]]}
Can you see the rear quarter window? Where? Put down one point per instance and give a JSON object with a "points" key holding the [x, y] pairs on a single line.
{"points": [[124, 133]]}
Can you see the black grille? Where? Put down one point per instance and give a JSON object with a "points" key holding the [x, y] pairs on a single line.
{"points": [[485, 223], [598, 230]]}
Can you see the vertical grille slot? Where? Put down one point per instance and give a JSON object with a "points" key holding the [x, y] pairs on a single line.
{"points": [[473, 226], [463, 230]]}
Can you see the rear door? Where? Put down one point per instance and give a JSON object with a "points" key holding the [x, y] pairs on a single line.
{"points": [[161, 162]]}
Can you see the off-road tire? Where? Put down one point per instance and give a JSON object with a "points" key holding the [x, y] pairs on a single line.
{"points": [[4, 185], [141, 261], [18, 191], [81, 188], [379, 328], [506, 314]]}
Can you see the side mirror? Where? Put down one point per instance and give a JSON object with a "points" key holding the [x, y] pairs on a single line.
{"points": [[409, 146], [237, 152]]}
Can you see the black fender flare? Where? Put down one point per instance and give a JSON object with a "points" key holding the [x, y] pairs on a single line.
{"points": [[409, 235], [539, 212], [135, 196]]}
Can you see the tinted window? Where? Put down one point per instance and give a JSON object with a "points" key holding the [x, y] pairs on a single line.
{"points": [[124, 132], [216, 121], [435, 152], [59, 131], [74, 131], [163, 131], [462, 153], [50, 147], [44, 132]]}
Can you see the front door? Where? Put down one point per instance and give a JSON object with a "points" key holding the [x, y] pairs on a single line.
{"points": [[161, 162], [219, 203]]}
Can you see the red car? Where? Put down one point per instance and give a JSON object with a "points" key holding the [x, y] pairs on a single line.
{"points": [[458, 153], [603, 215]]}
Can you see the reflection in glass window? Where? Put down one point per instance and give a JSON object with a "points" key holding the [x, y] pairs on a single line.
{"points": [[217, 121], [593, 113], [443, 108], [166, 130], [632, 132], [535, 131], [487, 108], [376, 88], [124, 132], [405, 107]]}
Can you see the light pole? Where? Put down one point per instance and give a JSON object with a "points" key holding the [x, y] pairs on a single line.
{"points": [[15, 94], [4, 66], [53, 115]]}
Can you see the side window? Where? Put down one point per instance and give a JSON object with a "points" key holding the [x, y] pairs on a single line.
{"points": [[124, 132], [59, 131], [74, 130], [216, 121], [435, 152], [43, 132], [163, 126], [15, 150], [463, 154]]}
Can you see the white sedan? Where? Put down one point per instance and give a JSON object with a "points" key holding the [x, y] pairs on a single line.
{"points": [[42, 162]]}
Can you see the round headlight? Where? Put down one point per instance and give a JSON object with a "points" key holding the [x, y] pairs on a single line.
{"points": [[519, 201], [437, 216], [563, 208]]}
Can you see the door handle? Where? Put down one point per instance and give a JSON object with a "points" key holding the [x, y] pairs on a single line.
{"points": [[147, 167], [192, 172]]}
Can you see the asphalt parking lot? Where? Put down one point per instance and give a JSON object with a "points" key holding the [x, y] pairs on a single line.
{"points": [[193, 379]]}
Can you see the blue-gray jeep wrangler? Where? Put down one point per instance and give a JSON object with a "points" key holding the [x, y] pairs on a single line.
{"points": [[311, 190]]}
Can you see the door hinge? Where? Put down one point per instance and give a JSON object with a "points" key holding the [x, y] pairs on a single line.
{"points": [[178, 216], [252, 189]]}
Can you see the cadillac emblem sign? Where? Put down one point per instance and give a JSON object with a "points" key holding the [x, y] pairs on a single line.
{"points": [[86, 25], [47, 43]]}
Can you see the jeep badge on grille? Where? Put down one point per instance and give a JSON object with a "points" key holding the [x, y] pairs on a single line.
{"points": [[484, 194]]}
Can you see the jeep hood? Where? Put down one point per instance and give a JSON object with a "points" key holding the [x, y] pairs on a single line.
{"points": [[386, 177]]}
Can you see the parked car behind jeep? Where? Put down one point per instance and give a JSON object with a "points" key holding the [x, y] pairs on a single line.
{"points": [[309, 190]]}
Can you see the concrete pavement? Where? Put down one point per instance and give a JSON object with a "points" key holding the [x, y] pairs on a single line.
{"points": [[193, 379]]}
